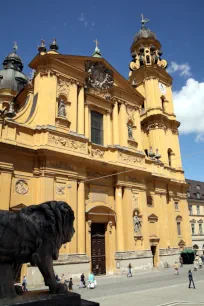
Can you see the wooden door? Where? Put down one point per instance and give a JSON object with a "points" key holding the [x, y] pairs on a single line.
{"points": [[98, 256]]}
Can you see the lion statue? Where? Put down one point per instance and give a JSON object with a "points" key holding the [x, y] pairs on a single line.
{"points": [[35, 234]]}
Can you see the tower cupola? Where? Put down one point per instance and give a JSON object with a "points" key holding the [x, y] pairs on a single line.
{"points": [[11, 76], [146, 49]]}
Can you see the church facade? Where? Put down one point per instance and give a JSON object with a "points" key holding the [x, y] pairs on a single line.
{"points": [[80, 132]]}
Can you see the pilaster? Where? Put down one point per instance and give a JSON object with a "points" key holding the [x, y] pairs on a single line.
{"points": [[73, 108], [123, 125], [119, 215], [80, 120], [81, 218], [87, 123], [115, 124], [5, 190]]}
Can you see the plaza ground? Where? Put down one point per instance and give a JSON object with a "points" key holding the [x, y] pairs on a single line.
{"points": [[158, 287]]}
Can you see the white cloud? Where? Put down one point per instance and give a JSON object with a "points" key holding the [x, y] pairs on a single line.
{"points": [[184, 70], [83, 20], [200, 138], [189, 108]]}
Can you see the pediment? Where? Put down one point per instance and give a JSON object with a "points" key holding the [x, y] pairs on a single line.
{"points": [[153, 217], [76, 66], [193, 221]]}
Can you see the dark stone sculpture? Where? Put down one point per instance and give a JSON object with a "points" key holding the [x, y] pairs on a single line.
{"points": [[35, 235]]}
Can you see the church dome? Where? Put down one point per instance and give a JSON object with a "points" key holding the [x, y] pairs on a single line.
{"points": [[11, 76], [144, 33]]}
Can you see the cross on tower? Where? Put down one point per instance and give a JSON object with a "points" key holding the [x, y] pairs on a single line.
{"points": [[97, 43], [15, 47]]}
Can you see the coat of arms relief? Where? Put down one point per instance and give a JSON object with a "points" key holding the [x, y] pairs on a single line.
{"points": [[99, 80]]}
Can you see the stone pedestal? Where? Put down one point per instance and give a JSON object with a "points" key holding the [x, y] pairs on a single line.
{"points": [[44, 298]]}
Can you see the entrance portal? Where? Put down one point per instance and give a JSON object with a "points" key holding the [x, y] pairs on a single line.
{"points": [[98, 257], [153, 249]]}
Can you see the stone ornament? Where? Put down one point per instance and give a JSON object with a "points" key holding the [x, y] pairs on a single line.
{"points": [[60, 190], [63, 88], [129, 159], [134, 199], [67, 143], [99, 76], [21, 187], [61, 109]]}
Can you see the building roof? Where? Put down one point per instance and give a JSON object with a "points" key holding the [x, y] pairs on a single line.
{"points": [[196, 190]]}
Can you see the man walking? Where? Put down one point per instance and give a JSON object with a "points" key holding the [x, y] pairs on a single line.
{"points": [[190, 277]]}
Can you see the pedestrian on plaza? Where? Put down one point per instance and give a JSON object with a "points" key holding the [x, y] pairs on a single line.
{"points": [[70, 285], [57, 278], [62, 279], [195, 265], [24, 283], [82, 281], [176, 269], [91, 281], [129, 270], [200, 262], [190, 277], [181, 261]]}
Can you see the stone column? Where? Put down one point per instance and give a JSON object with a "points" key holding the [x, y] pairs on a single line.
{"points": [[123, 126], [119, 220], [81, 111], [115, 124], [86, 120], [81, 218]]}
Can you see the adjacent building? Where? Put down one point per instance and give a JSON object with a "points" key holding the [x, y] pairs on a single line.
{"points": [[195, 195], [82, 133]]}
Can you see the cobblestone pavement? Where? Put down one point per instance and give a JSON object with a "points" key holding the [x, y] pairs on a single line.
{"points": [[155, 288]]}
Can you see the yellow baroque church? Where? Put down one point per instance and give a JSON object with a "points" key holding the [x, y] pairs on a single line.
{"points": [[80, 132]]}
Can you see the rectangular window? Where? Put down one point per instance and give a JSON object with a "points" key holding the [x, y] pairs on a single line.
{"points": [[149, 200], [176, 205], [179, 228], [190, 210], [200, 229], [198, 210], [97, 128], [193, 229]]}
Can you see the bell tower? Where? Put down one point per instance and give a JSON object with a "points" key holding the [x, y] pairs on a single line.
{"points": [[148, 75]]}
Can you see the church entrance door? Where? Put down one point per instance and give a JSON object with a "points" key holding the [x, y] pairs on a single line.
{"points": [[98, 257]]}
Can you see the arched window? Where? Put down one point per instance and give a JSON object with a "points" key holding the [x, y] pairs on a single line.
{"points": [[148, 59], [169, 157]]}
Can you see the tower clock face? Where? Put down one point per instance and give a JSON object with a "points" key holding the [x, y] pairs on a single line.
{"points": [[162, 88]]}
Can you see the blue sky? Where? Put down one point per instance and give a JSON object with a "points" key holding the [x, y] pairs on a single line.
{"points": [[75, 24]]}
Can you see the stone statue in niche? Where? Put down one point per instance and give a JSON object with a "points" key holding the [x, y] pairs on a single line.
{"points": [[61, 109], [137, 222], [130, 135]]}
